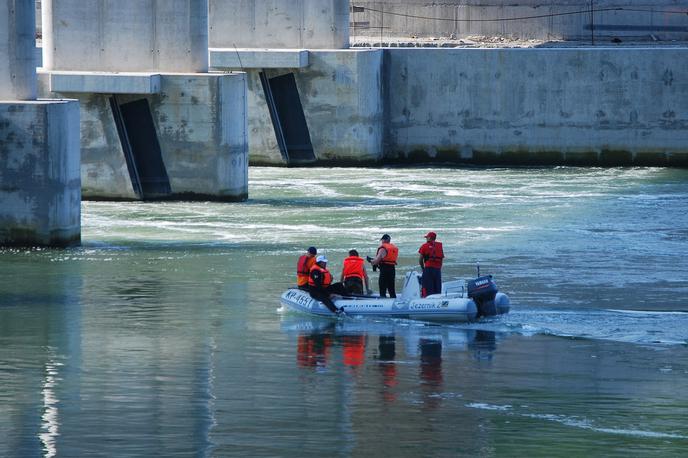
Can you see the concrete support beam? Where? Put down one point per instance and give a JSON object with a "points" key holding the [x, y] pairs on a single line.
{"points": [[40, 187], [125, 35], [257, 58], [17, 63], [311, 24], [103, 83]]}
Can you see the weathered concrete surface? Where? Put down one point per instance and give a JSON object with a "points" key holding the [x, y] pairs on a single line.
{"points": [[17, 63], [341, 94], [40, 188], [311, 24], [125, 35], [519, 106], [523, 19], [201, 125]]}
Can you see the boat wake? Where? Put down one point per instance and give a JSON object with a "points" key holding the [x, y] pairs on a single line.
{"points": [[638, 327], [575, 422]]}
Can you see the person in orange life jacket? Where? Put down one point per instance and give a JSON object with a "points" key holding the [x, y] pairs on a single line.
{"points": [[430, 260], [385, 260], [354, 274], [303, 268], [320, 284]]}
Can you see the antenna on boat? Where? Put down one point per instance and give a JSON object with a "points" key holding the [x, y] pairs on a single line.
{"points": [[477, 265]]}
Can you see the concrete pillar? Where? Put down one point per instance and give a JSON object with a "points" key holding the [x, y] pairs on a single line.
{"points": [[126, 35], [309, 24], [17, 43], [40, 186]]}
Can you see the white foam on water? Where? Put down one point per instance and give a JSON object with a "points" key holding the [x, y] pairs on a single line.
{"points": [[485, 406]]}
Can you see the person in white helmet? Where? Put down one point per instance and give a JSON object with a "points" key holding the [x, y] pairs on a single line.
{"points": [[320, 284]]}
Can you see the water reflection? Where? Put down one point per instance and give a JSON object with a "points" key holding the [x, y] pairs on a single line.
{"points": [[323, 343]]}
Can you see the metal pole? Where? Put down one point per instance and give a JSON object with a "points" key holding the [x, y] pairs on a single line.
{"points": [[382, 22], [592, 22]]}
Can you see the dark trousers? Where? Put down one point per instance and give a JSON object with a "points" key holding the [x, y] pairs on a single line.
{"points": [[323, 295], [431, 281], [353, 285], [386, 282]]}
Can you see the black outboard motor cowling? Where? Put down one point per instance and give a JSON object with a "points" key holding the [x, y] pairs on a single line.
{"points": [[483, 291]]}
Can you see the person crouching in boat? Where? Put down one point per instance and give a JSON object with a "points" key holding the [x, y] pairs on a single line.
{"points": [[303, 268], [354, 274], [320, 284]]}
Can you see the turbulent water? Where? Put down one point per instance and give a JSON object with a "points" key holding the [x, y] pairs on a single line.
{"points": [[163, 333]]}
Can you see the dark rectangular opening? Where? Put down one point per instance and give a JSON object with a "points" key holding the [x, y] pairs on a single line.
{"points": [[141, 147], [288, 118]]}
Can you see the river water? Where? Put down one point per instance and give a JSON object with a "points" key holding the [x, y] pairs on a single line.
{"points": [[163, 335]]}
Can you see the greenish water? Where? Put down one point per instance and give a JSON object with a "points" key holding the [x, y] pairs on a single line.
{"points": [[163, 334]]}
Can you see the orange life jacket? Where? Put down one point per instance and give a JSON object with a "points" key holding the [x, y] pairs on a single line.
{"points": [[392, 253], [433, 257], [303, 269], [326, 276], [353, 267]]}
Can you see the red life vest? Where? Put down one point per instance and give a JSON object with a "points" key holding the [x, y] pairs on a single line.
{"points": [[432, 254], [326, 276], [353, 267], [392, 253], [303, 269]]}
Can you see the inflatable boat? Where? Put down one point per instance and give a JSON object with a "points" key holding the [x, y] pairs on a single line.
{"points": [[459, 301]]}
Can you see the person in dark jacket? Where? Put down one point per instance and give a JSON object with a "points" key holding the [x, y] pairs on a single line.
{"points": [[320, 284], [386, 260]]}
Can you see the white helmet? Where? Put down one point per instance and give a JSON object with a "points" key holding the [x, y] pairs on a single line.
{"points": [[321, 258]]}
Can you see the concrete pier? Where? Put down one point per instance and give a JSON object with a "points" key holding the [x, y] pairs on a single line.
{"points": [[40, 188], [155, 124], [311, 99], [17, 63]]}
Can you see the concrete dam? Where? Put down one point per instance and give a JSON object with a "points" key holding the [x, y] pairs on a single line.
{"points": [[146, 100]]}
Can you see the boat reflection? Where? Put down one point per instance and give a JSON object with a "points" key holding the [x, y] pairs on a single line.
{"points": [[324, 343]]}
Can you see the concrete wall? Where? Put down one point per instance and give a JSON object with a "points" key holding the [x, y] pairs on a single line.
{"points": [[17, 63], [40, 188], [312, 24], [462, 18], [583, 105], [341, 94], [125, 35], [200, 120]]}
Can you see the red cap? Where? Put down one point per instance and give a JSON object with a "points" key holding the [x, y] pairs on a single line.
{"points": [[432, 235]]}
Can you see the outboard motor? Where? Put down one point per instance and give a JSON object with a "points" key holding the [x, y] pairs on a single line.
{"points": [[483, 291]]}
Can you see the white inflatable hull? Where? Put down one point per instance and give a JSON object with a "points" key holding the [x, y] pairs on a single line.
{"points": [[454, 309]]}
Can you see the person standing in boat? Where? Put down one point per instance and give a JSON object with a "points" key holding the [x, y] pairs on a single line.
{"points": [[320, 284], [386, 260], [354, 274], [303, 268], [430, 260]]}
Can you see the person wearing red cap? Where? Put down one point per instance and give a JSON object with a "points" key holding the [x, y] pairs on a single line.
{"points": [[430, 260]]}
